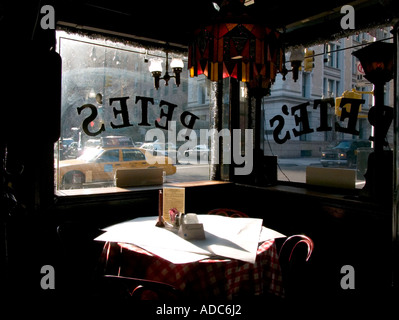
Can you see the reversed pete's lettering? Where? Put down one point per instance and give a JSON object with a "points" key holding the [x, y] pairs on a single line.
{"points": [[121, 115], [301, 117], [187, 119]]}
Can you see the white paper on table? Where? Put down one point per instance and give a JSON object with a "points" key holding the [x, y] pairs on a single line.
{"points": [[267, 234], [142, 232], [235, 238]]}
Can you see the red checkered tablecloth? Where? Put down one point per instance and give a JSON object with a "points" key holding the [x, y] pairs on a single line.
{"points": [[208, 278]]}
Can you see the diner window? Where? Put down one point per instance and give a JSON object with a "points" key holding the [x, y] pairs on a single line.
{"points": [[111, 109], [312, 143]]}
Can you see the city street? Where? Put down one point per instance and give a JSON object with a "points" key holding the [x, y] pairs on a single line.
{"points": [[189, 172], [292, 169]]}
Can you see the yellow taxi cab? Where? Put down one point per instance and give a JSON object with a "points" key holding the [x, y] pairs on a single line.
{"points": [[99, 165]]}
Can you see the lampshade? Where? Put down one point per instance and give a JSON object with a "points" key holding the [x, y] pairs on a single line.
{"points": [[176, 63], [377, 61], [246, 51], [297, 54], [155, 65]]}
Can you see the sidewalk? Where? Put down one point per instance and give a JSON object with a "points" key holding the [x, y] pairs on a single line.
{"points": [[301, 161]]}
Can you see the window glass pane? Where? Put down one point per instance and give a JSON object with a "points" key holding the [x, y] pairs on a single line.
{"points": [[132, 155], [109, 156], [110, 105], [308, 131]]}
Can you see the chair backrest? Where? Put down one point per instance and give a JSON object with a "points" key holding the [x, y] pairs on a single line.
{"points": [[228, 213], [293, 241], [139, 289], [295, 267]]}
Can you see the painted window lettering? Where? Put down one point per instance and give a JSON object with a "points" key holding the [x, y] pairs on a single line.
{"points": [[122, 120], [301, 117]]}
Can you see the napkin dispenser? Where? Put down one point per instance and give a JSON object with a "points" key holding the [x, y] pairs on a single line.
{"points": [[190, 228]]}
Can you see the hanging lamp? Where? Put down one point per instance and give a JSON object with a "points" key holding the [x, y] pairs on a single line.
{"points": [[236, 46]]}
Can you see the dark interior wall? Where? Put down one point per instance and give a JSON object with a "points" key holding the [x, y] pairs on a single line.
{"points": [[345, 232], [62, 236]]}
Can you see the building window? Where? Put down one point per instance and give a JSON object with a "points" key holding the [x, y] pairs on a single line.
{"points": [[332, 55], [354, 65], [328, 57], [305, 85], [337, 57], [337, 89], [330, 88]]}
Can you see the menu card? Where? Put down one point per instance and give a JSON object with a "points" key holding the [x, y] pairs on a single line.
{"points": [[173, 198]]}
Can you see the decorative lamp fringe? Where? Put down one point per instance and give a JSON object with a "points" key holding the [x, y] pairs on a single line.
{"points": [[247, 52]]}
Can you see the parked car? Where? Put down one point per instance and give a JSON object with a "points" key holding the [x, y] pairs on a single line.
{"points": [[199, 152], [100, 164], [93, 143], [72, 151], [65, 142], [161, 149], [64, 147], [344, 153], [114, 141]]}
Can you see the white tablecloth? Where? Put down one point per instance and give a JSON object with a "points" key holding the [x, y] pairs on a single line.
{"points": [[235, 238]]}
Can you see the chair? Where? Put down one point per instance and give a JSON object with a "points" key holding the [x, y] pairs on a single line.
{"points": [[78, 254], [294, 257], [294, 241], [228, 213], [135, 289]]}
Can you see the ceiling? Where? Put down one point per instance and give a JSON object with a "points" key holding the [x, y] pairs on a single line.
{"points": [[172, 21]]}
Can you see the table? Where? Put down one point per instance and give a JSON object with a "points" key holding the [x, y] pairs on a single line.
{"points": [[206, 278]]}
